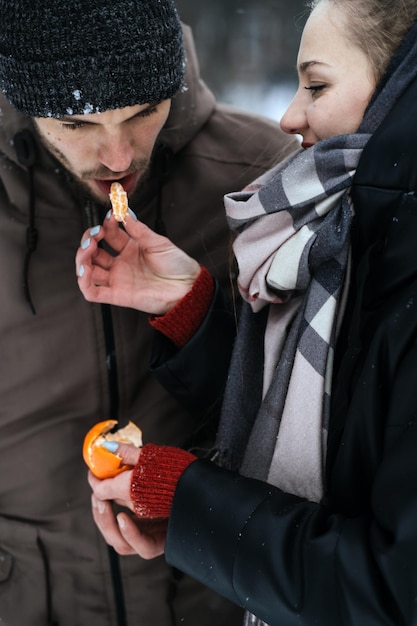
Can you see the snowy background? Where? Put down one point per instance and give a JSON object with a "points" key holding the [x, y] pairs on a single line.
{"points": [[247, 49]]}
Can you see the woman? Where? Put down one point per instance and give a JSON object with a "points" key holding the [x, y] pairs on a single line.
{"points": [[318, 526]]}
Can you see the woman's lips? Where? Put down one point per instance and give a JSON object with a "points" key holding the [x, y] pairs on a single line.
{"points": [[306, 145]]}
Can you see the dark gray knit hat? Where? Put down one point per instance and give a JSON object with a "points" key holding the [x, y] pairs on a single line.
{"points": [[71, 57]]}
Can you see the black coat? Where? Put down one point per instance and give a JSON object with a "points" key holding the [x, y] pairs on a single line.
{"points": [[351, 560]]}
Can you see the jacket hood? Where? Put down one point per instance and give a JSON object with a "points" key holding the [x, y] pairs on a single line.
{"points": [[190, 109], [11, 123], [20, 147]]}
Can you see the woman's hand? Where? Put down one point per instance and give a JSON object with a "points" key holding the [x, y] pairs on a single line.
{"points": [[137, 268], [125, 532]]}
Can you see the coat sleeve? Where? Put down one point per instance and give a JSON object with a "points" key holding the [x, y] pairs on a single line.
{"points": [[291, 561], [196, 374], [253, 544]]}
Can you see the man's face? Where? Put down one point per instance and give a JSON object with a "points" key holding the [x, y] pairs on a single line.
{"points": [[100, 148]]}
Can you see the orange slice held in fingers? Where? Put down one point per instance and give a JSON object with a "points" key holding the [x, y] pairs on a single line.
{"points": [[118, 199], [101, 462]]}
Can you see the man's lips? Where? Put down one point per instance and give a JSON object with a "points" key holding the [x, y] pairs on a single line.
{"points": [[128, 182]]}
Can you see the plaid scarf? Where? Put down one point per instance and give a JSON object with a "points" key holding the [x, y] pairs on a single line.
{"points": [[292, 253], [292, 250]]}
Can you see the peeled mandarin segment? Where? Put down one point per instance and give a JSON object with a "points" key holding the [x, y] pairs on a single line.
{"points": [[101, 462], [118, 199]]}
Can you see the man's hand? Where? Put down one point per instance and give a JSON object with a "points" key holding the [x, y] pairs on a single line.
{"points": [[142, 270]]}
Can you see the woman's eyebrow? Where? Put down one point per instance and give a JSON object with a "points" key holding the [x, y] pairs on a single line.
{"points": [[305, 65]]}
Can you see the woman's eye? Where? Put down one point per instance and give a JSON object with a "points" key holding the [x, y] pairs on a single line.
{"points": [[315, 88]]}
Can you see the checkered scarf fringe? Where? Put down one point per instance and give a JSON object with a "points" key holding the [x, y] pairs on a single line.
{"points": [[292, 249]]}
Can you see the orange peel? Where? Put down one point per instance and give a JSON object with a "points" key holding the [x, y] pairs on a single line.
{"points": [[102, 462]]}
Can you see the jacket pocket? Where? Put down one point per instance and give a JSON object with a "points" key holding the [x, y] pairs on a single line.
{"points": [[25, 596]]}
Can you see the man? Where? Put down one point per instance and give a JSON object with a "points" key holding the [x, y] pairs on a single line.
{"points": [[94, 92]]}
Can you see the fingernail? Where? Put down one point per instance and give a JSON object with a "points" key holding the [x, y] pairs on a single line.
{"points": [[101, 506], [133, 215], [81, 271], [85, 243], [108, 214], [121, 521], [111, 446], [94, 231]]}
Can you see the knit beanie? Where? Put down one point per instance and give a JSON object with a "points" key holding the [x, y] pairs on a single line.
{"points": [[72, 57]]}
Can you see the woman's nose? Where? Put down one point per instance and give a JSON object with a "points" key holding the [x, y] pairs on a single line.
{"points": [[294, 120]]}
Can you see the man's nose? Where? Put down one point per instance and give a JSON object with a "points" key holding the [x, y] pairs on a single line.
{"points": [[116, 150]]}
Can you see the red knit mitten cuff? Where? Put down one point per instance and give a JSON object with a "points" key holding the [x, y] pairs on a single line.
{"points": [[182, 321], [154, 479]]}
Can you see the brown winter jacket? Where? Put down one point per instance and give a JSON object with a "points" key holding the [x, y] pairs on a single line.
{"points": [[67, 364]]}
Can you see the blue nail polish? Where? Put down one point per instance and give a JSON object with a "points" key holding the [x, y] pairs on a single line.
{"points": [[111, 446], [85, 243], [133, 215], [94, 231], [81, 271], [108, 214]]}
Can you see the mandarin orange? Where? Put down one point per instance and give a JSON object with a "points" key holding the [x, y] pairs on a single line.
{"points": [[101, 462]]}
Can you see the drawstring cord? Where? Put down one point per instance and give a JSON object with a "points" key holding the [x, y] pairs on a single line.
{"points": [[26, 154]]}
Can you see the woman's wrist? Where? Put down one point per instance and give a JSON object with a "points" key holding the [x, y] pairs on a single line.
{"points": [[184, 319], [154, 479]]}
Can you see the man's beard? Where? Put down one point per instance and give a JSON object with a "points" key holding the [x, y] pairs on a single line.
{"points": [[102, 172]]}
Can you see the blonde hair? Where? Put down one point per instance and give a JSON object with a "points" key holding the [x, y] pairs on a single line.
{"points": [[375, 26]]}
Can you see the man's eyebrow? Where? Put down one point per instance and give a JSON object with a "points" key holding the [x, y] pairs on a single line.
{"points": [[81, 119], [73, 119]]}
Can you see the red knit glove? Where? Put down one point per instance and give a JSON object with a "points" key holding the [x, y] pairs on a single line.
{"points": [[182, 321], [154, 479]]}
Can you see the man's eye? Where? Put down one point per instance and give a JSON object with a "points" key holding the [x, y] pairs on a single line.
{"points": [[72, 125], [147, 112]]}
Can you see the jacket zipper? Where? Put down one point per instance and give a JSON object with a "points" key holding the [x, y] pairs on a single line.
{"points": [[114, 409], [92, 219]]}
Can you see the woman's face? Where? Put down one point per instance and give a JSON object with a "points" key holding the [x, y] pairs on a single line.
{"points": [[335, 80]]}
